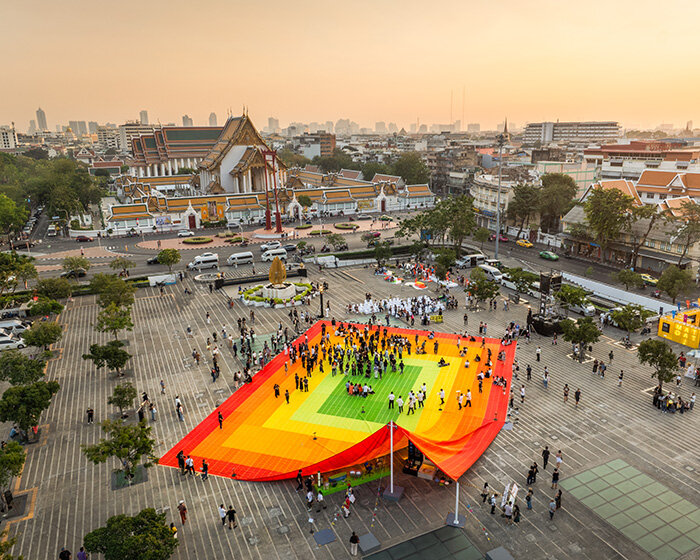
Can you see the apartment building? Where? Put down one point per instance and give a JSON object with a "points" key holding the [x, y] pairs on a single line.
{"points": [[560, 132]]}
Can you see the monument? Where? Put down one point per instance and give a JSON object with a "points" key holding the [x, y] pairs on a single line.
{"points": [[278, 288]]}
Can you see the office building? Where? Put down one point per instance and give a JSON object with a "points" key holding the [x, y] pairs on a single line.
{"points": [[595, 131], [92, 127], [41, 119], [380, 127], [212, 119], [8, 138], [186, 120], [32, 127], [143, 117]]}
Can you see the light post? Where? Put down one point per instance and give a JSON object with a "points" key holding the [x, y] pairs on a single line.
{"points": [[501, 140], [320, 291]]}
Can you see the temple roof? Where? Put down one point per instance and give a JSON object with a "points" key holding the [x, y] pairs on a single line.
{"points": [[170, 142]]}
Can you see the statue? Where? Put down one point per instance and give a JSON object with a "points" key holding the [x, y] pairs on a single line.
{"points": [[278, 272]]}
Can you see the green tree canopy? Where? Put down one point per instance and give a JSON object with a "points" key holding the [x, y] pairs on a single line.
{"points": [[335, 240], [411, 167], [75, 263], [630, 317], [339, 160], [556, 199], [305, 201], [371, 168], [569, 296], [42, 334], [112, 289], [608, 213], [12, 268], [382, 252], [443, 262], [19, 369], [12, 215], [111, 355], [675, 282], [12, 458], [524, 204], [54, 288], [23, 404], [123, 397], [629, 278], [45, 307], [127, 443], [583, 332], [481, 288], [113, 319], [523, 279], [292, 159], [660, 356], [482, 235], [145, 536], [169, 257], [122, 264], [688, 227]]}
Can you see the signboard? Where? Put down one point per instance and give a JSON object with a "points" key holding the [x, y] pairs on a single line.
{"points": [[365, 204], [436, 318], [162, 220]]}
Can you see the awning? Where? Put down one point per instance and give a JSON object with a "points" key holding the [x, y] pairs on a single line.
{"points": [[664, 257]]}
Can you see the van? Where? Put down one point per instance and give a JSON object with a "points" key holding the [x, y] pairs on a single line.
{"points": [[471, 261], [269, 256], [14, 326], [205, 260], [51, 231], [240, 258], [492, 273]]}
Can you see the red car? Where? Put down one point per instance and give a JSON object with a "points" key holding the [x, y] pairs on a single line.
{"points": [[502, 238], [84, 239]]}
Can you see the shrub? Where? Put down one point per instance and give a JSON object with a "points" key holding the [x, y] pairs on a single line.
{"points": [[319, 232], [236, 239], [226, 234], [344, 225], [218, 223], [197, 240], [304, 226]]}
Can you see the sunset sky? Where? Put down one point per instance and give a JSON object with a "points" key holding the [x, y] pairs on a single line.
{"points": [[395, 61]]}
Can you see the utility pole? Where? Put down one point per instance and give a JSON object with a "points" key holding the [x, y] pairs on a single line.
{"points": [[501, 140]]}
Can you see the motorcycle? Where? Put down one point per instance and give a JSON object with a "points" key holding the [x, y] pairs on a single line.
{"points": [[325, 249], [656, 294]]}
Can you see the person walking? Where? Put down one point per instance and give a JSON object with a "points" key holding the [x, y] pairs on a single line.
{"points": [[82, 554], [545, 378], [309, 500], [538, 352], [485, 493], [545, 456], [162, 387], [182, 508], [577, 396], [528, 498], [566, 392], [320, 502], [492, 501], [399, 401], [152, 409], [90, 415], [220, 418], [557, 499], [222, 514], [391, 400], [231, 517], [300, 481], [205, 470], [286, 395], [354, 541], [552, 509], [555, 479], [619, 378], [528, 369], [441, 394], [469, 398], [522, 394], [559, 459]]}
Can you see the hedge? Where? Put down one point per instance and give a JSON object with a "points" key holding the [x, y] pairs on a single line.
{"points": [[369, 253], [197, 240], [218, 223], [304, 226], [344, 225], [236, 239], [319, 232]]}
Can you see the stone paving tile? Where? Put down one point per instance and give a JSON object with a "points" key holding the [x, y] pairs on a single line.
{"points": [[613, 426]]}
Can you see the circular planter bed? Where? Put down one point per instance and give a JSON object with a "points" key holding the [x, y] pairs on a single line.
{"points": [[345, 225], [304, 226], [319, 232], [197, 240], [252, 296], [236, 239]]}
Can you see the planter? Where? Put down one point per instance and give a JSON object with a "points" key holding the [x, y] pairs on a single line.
{"points": [[197, 240], [304, 226], [346, 226], [319, 232]]}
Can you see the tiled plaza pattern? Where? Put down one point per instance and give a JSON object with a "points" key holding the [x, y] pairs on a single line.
{"points": [[644, 510], [74, 497]]}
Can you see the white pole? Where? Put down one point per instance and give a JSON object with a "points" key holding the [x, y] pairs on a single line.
{"points": [[391, 455], [456, 519]]}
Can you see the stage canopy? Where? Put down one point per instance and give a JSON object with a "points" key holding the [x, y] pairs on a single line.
{"points": [[327, 430]]}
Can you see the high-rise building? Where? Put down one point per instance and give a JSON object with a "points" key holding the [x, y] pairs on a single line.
{"points": [[8, 138], [212, 119], [92, 127], [143, 117], [328, 127], [186, 120], [413, 128], [545, 132], [32, 127], [380, 127], [108, 138], [273, 124], [131, 130], [474, 128], [41, 119], [393, 128], [79, 128]]}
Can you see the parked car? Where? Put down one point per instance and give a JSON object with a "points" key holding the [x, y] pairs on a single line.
{"points": [[77, 273], [84, 239], [185, 233], [270, 245], [289, 247], [548, 255], [523, 243], [649, 280], [11, 343], [22, 244], [153, 260], [363, 217], [502, 238]]}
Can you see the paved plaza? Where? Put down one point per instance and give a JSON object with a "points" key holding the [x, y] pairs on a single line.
{"points": [[627, 466]]}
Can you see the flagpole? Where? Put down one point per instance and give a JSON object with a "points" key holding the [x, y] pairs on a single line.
{"points": [[391, 455], [456, 520]]}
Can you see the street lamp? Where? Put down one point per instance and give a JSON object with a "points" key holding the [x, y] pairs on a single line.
{"points": [[501, 141], [320, 291]]}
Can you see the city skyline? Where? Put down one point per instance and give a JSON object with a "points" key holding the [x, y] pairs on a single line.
{"points": [[529, 63]]}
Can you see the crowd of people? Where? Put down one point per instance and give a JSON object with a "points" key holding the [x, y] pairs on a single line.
{"points": [[407, 308]]}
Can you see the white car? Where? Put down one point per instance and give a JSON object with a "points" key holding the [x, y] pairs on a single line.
{"points": [[185, 233], [270, 245], [9, 343]]}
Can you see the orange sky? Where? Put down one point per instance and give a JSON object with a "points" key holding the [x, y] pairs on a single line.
{"points": [[635, 61]]}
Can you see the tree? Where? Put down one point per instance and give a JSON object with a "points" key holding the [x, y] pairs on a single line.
{"points": [[45, 307], [522, 279], [630, 317], [145, 536], [482, 235], [123, 264], [443, 262], [689, 230], [54, 288], [123, 397], [339, 160], [583, 332], [659, 355], [481, 287], [411, 167], [382, 252], [675, 281], [113, 319], [169, 257], [291, 158], [608, 213], [111, 355], [629, 277], [20, 369], [556, 198], [335, 240], [23, 404], [648, 212], [367, 237], [112, 289], [305, 201], [569, 296], [25, 272], [12, 216], [523, 204], [12, 267], [43, 334], [128, 443], [461, 220], [12, 458], [75, 263], [371, 168], [186, 171], [6, 546]]}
